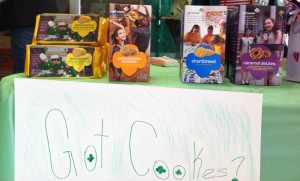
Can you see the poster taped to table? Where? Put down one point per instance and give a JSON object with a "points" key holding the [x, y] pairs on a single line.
{"points": [[78, 131]]}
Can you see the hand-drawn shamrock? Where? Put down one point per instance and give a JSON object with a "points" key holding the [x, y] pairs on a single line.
{"points": [[235, 179], [90, 158], [160, 169], [178, 172]]}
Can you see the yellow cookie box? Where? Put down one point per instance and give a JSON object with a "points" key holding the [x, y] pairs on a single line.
{"points": [[66, 61], [70, 29]]}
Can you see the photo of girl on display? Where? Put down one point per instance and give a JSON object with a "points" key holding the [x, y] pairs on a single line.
{"points": [[271, 32], [193, 36], [245, 43], [118, 41], [142, 33]]}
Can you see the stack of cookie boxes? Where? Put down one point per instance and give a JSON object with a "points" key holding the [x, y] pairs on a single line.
{"points": [[68, 45]]}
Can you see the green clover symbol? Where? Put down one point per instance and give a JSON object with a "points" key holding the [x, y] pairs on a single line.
{"points": [[160, 170], [90, 158], [178, 172]]}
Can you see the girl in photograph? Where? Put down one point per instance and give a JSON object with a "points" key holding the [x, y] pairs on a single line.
{"points": [[193, 37], [218, 45], [271, 32], [122, 22], [118, 40], [223, 30], [142, 33], [133, 15], [245, 42]]}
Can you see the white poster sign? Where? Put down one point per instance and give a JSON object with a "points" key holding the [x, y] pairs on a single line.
{"points": [[91, 131]]}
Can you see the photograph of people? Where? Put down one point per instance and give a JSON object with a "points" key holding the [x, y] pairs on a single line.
{"points": [[45, 65], [259, 35], [245, 43], [271, 32], [254, 37], [193, 37], [64, 31], [132, 15], [218, 45], [52, 31], [223, 30], [118, 40], [217, 42], [142, 33], [208, 36], [122, 22], [58, 66]]}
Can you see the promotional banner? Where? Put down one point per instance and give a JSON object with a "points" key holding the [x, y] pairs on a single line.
{"points": [[78, 131]]}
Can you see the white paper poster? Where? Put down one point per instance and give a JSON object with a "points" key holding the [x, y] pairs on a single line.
{"points": [[90, 131]]}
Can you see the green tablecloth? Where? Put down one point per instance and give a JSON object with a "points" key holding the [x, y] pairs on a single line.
{"points": [[280, 146]]}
